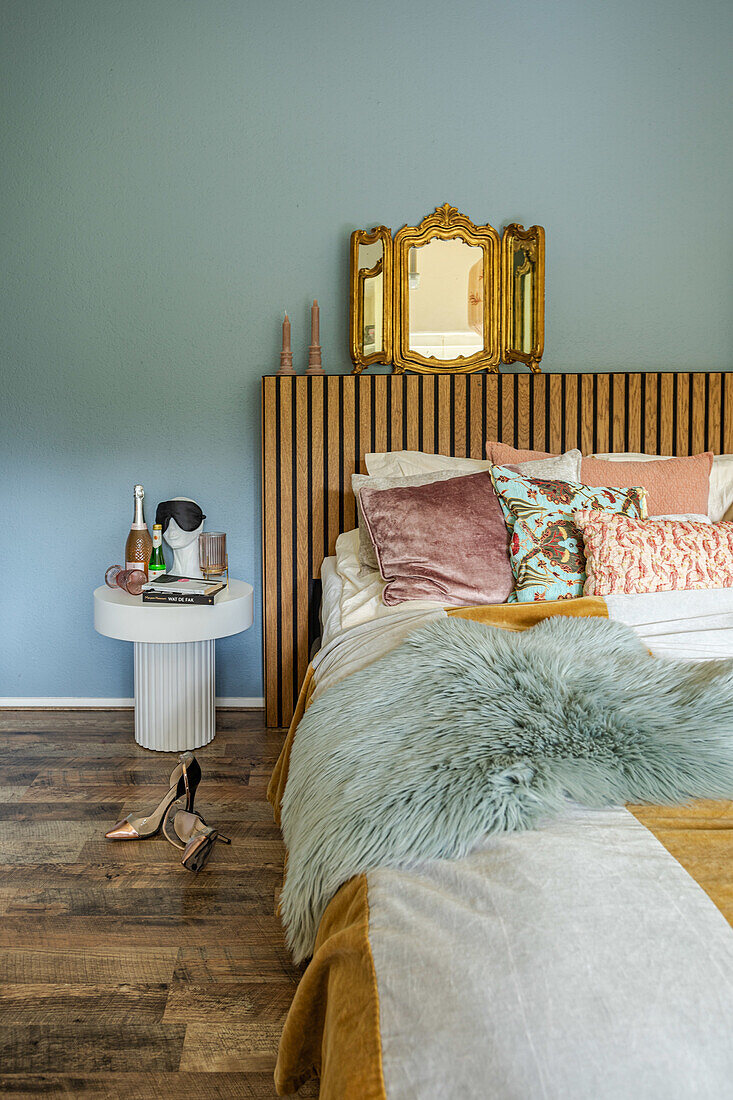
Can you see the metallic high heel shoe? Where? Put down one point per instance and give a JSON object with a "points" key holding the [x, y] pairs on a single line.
{"points": [[184, 781], [194, 837]]}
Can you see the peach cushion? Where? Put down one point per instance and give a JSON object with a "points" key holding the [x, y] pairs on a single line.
{"points": [[501, 454], [674, 485], [626, 555]]}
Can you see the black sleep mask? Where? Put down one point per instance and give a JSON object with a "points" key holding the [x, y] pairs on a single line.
{"points": [[186, 513]]}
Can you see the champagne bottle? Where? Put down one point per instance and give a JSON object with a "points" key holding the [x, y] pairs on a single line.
{"points": [[139, 545], [156, 568]]}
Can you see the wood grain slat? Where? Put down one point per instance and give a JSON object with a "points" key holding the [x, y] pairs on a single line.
{"points": [[396, 421], [348, 456], [302, 530], [538, 386], [270, 561], [570, 415], [713, 435], [682, 416], [491, 406], [411, 411], [633, 423], [460, 435], [651, 414], [666, 414], [557, 414], [379, 427], [427, 400], [698, 441], [351, 415], [443, 413], [287, 655], [477, 443], [524, 440]]}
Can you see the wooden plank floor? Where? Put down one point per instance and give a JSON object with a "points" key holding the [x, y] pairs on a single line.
{"points": [[121, 973]]}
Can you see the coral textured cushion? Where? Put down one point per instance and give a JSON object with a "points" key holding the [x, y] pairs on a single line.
{"points": [[446, 541], [673, 485], [626, 555], [501, 454]]}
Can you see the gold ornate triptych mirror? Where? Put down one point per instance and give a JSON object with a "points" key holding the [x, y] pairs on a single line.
{"points": [[447, 296]]}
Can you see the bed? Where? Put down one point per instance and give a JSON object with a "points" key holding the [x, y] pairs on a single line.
{"points": [[591, 957]]}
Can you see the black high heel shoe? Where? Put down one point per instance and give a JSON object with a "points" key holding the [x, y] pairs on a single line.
{"points": [[183, 783]]}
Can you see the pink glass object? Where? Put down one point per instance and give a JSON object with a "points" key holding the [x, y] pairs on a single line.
{"points": [[129, 580], [135, 580], [110, 577], [212, 553]]}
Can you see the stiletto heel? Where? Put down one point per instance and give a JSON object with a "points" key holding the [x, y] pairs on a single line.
{"points": [[184, 781], [194, 837]]}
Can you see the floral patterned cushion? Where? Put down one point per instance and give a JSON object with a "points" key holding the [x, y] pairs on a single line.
{"points": [[627, 555], [546, 547]]}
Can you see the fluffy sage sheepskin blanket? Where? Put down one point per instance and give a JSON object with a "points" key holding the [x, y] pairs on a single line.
{"points": [[466, 730]]}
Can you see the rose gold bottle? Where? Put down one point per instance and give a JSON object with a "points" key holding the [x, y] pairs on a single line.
{"points": [[139, 545]]}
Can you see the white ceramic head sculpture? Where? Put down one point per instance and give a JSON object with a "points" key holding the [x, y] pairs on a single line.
{"points": [[184, 542]]}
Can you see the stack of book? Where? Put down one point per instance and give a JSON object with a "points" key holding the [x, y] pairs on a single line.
{"points": [[177, 590]]}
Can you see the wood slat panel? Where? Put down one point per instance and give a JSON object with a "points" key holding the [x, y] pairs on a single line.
{"points": [[412, 406], [651, 410], [460, 401], [586, 399], [633, 424], [666, 414], [476, 393], [570, 414], [682, 418], [713, 434], [426, 401], [302, 528], [538, 386], [557, 413], [316, 431], [698, 442], [443, 413], [270, 563], [286, 570]]}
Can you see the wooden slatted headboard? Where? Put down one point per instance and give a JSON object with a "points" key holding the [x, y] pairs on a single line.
{"points": [[316, 431]]}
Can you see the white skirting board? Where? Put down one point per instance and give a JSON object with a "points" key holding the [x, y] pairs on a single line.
{"points": [[53, 702]]}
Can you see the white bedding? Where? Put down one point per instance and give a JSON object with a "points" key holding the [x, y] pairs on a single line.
{"points": [[568, 963], [694, 625]]}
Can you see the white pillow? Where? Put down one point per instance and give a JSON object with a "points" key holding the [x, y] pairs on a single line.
{"points": [[418, 463], [720, 500], [414, 463]]}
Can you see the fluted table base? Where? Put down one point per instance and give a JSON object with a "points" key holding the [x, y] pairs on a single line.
{"points": [[174, 695]]}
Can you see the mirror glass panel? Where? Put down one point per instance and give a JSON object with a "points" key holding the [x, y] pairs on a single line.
{"points": [[523, 273], [445, 299], [371, 278]]}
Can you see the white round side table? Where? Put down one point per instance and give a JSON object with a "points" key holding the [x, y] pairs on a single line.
{"points": [[174, 660]]}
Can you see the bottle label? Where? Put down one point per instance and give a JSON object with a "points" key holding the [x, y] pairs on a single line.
{"points": [[137, 565]]}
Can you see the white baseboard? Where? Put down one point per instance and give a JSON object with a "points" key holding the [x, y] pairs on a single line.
{"points": [[51, 702]]}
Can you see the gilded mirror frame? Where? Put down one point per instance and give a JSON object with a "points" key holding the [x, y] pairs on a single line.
{"points": [[358, 277], [447, 224], [532, 240]]}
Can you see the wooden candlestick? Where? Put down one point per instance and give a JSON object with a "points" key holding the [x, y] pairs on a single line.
{"points": [[286, 355], [314, 351]]}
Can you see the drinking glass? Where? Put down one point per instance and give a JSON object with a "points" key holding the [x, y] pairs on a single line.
{"points": [[213, 553]]}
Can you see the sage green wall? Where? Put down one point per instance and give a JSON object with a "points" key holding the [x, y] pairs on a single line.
{"points": [[175, 173]]}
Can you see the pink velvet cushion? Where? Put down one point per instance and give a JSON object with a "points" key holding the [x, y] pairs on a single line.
{"points": [[626, 555], [673, 485], [446, 541]]}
